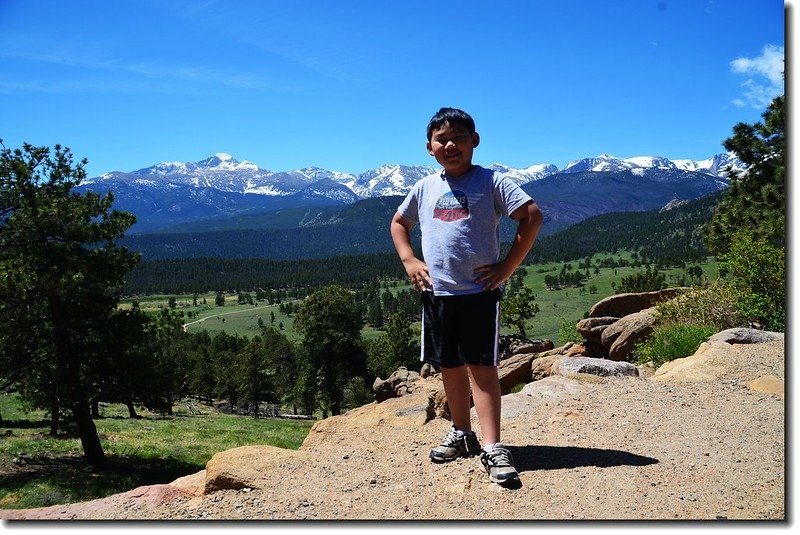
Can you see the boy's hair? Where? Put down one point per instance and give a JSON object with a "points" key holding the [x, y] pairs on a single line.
{"points": [[454, 117]]}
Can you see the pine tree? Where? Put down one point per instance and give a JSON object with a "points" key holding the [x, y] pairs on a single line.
{"points": [[61, 274], [755, 202], [331, 350]]}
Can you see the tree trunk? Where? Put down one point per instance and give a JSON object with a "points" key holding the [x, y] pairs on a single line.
{"points": [[55, 414], [92, 449], [95, 409], [69, 365], [132, 410]]}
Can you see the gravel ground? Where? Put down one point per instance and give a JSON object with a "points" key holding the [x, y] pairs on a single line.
{"points": [[622, 448]]}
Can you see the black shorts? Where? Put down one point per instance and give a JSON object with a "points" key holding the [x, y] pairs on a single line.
{"points": [[461, 329]]}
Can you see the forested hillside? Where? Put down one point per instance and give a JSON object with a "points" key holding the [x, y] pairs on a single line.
{"points": [[669, 236], [197, 275]]}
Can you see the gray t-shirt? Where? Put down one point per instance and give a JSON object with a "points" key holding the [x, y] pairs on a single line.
{"points": [[460, 223]]}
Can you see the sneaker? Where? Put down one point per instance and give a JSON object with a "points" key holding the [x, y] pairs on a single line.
{"points": [[454, 446], [499, 464]]}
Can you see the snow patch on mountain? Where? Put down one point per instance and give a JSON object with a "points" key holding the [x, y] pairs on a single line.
{"points": [[528, 174], [605, 162]]}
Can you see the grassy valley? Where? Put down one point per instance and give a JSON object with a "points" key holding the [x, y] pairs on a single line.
{"points": [[565, 304]]}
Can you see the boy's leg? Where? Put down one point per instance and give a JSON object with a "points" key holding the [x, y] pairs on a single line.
{"points": [[496, 459], [486, 396], [460, 441], [456, 388]]}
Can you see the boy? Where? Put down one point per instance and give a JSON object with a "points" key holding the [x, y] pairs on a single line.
{"points": [[459, 210]]}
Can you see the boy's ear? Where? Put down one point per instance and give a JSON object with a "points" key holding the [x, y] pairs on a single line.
{"points": [[429, 148], [476, 140]]}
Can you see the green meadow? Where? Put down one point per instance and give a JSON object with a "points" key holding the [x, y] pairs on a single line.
{"points": [[37, 470], [555, 306]]}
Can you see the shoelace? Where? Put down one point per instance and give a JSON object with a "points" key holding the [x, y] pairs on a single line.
{"points": [[498, 457], [453, 438]]}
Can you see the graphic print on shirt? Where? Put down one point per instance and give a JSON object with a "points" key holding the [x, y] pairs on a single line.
{"points": [[452, 206]]}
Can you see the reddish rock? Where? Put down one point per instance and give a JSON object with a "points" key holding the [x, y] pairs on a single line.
{"points": [[592, 328], [621, 305], [621, 337]]}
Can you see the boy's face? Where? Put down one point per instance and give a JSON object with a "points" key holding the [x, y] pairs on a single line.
{"points": [[452, 147]]}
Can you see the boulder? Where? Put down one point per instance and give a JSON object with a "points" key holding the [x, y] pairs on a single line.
{"points": [[715, 360], [742, 335], [408, 412], [401, 382], [621, 305], [511, 345], [621, 337], [515, 370], [242, 467], [193, 484], [602, 367], [592, 328]]}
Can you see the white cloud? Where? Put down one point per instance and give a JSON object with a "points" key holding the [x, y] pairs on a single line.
{"points": [[765, 77]]}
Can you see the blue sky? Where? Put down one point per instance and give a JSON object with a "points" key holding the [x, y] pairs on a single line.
{"points": [[350, 85]]}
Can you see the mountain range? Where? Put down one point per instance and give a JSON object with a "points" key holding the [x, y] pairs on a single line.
{"points": [[221, 192]]}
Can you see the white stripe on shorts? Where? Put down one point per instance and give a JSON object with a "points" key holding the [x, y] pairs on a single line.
{"points": [[422, 338], [497, 336]]}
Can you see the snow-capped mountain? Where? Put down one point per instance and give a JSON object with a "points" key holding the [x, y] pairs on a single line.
{"points": [[390, 180], [715, 165], [220, 186], [224, 173], [605, 162], [528, 174]]}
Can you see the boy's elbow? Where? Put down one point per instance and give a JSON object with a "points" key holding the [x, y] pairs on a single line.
{"points": [[535, 214], [529, 214], [398, 220]]}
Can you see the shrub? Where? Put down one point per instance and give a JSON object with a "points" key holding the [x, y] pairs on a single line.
{"points": [[756, 271], [711, 306], [672, 341], [568, 333]]}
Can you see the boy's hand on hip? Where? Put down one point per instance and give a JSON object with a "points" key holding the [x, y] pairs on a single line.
{"points": [[417, 271], [493, 275]]}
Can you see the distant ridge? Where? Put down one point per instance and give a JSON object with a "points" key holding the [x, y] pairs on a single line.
{"points": [[169, 194]]}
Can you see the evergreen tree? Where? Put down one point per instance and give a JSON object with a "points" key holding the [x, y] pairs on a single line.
{"points": [[756, 199], [518, 308], [254, 376], [281, 359], [331, 353], [649, 280], [61, 274], [398, 347]]}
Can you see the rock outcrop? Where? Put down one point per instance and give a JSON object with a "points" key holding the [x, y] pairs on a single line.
{"points": [[617, 323], [620, 305], [399, 383], [620, 338]]}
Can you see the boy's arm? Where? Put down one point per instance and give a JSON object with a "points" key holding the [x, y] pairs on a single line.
{"points": [[416, 269], [529, 218]]}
